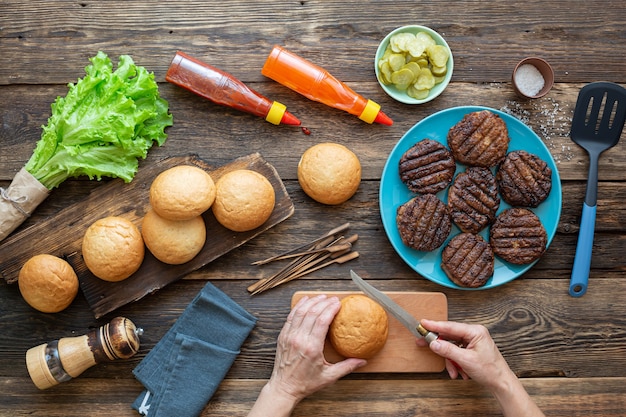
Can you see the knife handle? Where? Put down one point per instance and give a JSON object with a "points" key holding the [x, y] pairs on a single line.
{"points": [[431, 337], [427, 334]]}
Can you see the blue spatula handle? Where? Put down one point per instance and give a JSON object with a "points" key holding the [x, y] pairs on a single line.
{"points": [[582, 259]]}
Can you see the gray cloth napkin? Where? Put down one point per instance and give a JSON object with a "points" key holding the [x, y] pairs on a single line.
{"points": [[182, 372]]}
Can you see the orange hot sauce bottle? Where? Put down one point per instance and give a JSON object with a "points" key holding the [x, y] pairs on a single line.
{"points": [[317, 84], [222, 88]]}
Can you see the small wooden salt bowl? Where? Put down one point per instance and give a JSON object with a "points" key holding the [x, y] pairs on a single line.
{"points": [[544, 69]]}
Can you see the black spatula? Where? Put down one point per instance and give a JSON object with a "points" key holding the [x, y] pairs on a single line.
{"points": [[597, 125]]}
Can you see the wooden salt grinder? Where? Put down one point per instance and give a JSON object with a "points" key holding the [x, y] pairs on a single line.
{"points": [[61, 360]]}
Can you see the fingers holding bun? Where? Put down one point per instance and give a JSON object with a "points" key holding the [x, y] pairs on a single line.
{"points": [[182, 192], [244, 200], [173, 242], [360, 328], [329, 173], [112, 248], [48, 283]]}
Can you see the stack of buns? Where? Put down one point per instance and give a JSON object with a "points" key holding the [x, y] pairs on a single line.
{"points": [[173, 229]]}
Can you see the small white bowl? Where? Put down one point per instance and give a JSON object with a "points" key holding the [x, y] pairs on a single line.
{"points": [[400, 95]]}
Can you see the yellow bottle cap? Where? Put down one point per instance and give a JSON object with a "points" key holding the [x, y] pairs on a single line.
{"points": [[370, 112], [275, 115]]}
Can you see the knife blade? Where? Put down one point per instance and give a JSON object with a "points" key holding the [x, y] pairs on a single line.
{"points": [[407, 320]]}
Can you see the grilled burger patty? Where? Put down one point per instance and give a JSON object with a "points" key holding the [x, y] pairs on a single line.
{"points": [[480, 139], [468, 260], [473, 199], [524, 179], [518, 236], [427, 167], [423, 222]]}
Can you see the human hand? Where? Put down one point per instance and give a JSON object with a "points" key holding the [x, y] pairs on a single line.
{"points": [[300, 368], [478, 358]]}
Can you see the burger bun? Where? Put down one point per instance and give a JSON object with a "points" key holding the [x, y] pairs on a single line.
{"points": [[173, 242], [48, 283], [244, 200], [329, 173], [182, 192], [360, 328], [113, 248]]}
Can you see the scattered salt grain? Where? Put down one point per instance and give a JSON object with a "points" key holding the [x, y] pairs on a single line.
{"points": [[529, 80]]}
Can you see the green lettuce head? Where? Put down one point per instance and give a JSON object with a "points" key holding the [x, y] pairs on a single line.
{"points": [[102, 126]]}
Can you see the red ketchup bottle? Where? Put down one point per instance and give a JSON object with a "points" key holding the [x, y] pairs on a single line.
{"points": [[222, 88]]}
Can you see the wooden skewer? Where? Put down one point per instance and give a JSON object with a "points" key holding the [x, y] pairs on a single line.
{"points": [[332, 249], [313, 260], [337, 249], [299, 267], [326, 241], [348, 257], [330, 233]]}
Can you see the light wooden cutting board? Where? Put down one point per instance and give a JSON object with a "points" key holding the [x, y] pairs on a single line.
{"points": [[400, 353]]}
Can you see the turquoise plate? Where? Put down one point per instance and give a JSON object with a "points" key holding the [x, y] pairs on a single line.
{"points": [[393, 193]]}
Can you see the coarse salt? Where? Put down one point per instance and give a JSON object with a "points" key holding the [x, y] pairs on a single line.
{"points": [[529, 80]]}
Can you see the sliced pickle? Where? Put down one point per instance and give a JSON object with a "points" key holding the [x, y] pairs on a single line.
{"points": [[414, 68], [425, 80], [425, 38], [417, 94], [402, 78], [385, 73], [396, 61], [421, 61], [399, 41], [438, 55], [439, 71], [415, 47]]}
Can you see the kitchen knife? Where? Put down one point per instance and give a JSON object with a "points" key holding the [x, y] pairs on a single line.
{"points": [[394, 309]]}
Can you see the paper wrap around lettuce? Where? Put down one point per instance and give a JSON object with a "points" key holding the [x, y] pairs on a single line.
{"points": [[107, 120]]}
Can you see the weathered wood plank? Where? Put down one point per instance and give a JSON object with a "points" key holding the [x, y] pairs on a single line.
{"points": [[560, 397], [56, 37]]}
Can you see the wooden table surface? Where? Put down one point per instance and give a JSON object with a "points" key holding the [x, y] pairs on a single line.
{"points": [[569, 352]]}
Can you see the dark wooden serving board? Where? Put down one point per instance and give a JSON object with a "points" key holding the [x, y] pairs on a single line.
{"points": [[62, 234], [400, 353]]}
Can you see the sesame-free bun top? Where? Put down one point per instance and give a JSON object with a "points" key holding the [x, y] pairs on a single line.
{"points": [[360, 328], [329, 173], [244, 200], [182, 192], [48, 283], [113, 248], [173, 242]]}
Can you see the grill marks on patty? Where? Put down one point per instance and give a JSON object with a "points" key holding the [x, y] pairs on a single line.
{"points": [[427, 167], [480, 139], [518, 236], [468, 260], [473, 199], [423, 222], [524, 179]]}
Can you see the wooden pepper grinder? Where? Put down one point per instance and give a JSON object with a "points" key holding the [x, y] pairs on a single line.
{"points": [[61, 360]]}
